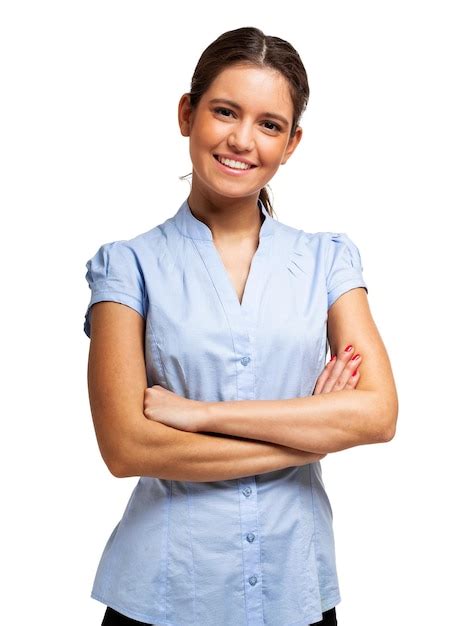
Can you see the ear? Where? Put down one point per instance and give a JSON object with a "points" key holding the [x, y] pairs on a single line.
{"points": [[292, 144], [184, 115]]}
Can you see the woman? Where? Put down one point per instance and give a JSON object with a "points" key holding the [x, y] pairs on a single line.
{"points": [[209, 383]]}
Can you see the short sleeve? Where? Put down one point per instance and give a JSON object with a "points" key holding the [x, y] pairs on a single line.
{"points": [[344, 267], [114, 275]]}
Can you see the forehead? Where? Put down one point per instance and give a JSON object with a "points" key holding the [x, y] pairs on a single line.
{"points": [[253, 87]]}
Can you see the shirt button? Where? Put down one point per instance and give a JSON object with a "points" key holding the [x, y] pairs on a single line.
{"points": [[245, 360], [253, 580], [247, 491], [250, 537]]}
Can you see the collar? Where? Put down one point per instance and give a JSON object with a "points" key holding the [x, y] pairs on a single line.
{"points": [[190, 226]]}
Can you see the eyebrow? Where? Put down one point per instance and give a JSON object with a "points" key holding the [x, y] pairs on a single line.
{"points": [[235, 105]]}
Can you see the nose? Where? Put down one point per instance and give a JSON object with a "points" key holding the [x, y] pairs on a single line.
{"points": [[241, 137]]}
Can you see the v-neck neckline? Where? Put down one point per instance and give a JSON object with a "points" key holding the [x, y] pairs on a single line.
{"points": [[192, 227], [248, 278]]}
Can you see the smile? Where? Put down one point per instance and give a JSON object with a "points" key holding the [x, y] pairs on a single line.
{"points": [[235, 167]]}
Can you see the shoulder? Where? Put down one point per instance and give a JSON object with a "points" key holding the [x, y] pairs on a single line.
{"points": [[316, 238], [330, 246], [122, 264], [141, 243], [296, 237], [340, 248], [328, 240], [136, 250], [321, 244]]}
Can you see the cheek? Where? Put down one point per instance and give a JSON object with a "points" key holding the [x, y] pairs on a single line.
{"points": [[203, 143], [210, 132], [270, 151]]}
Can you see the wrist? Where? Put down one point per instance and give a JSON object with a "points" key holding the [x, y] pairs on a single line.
{"points": [[203, 417]]}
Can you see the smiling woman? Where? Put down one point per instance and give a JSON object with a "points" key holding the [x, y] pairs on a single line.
{"points": [[248, 141], [207, 374]]}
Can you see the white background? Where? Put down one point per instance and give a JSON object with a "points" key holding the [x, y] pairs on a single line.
{"points": [[90, 152]]}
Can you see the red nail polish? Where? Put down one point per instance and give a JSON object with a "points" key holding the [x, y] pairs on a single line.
{"points": [[354, 372], [355, 357], [348, 348], [332, 358]]}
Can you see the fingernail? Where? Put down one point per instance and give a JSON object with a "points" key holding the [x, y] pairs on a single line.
{"points": [[348, 348], [354, 372], [332, 358], [355, 357]]}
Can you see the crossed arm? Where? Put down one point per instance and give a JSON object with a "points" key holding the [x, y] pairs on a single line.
{"points": [[248, 436], [322, 423]]}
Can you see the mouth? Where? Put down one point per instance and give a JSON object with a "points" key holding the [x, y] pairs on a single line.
{"points": [[229, 165]]}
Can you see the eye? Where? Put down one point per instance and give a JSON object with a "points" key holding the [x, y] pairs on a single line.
{"points": [[218, 109], [276, 126]]}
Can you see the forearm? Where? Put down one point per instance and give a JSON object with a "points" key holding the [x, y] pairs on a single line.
{"points": [[321, 423], [164, 452]]}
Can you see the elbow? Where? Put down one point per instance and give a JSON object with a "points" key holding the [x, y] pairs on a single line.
{"points": [[387, 423], [116, 466], [388, 432], [119, 462], [118, 470]]}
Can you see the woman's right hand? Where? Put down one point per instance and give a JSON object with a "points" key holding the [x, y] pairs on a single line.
{"points": [[336, 376], [339, 372]]}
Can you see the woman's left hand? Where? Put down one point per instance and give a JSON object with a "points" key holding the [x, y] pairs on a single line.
{"points": [[161, 405]]}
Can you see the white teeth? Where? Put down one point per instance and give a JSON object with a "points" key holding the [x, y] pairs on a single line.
{"points": [[238, 165]]}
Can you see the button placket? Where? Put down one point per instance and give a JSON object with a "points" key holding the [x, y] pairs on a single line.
{"points": [[251, 551], [242, 320]]}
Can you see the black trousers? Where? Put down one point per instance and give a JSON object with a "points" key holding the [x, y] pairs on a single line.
{"points": [[113, 618]]}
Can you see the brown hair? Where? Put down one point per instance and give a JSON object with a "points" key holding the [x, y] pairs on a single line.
{"points": [[251, 46]]}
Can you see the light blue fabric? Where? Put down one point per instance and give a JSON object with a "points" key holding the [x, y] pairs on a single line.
{"points": [[259, 550]]}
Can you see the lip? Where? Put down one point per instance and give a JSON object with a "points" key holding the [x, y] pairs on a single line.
{"points": [[233, 157], [231, 171]]}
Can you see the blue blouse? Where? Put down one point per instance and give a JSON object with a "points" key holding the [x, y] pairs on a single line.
{"points": [[252, 551]]}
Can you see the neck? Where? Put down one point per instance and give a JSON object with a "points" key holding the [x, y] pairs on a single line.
{"points": [[231, 219]]}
